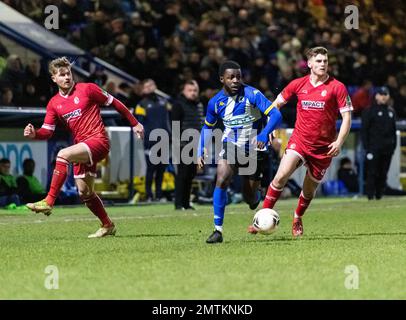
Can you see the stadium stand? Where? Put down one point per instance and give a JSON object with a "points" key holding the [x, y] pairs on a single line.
{"points": [[172, 41]]}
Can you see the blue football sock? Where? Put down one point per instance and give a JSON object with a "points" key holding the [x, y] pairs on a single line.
{"points": [[219, 205]]}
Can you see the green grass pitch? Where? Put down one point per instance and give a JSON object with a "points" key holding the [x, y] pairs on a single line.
{"points": [[160, 253]]}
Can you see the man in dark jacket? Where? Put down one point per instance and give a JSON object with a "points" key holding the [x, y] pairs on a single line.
{"points": [[152, 112], [189, 112], [379, 139]]}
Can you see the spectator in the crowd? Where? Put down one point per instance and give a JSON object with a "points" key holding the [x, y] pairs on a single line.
{"points": [[169, 20], [154, 63], [13, 75], [7, 97], [378, 135], [30, 97], [97, 34], [70, 13], [135, 95], [29, 187], [347, 174], [188, 112], [39, 79], [139, 66], [8, 185], [362, 98], [152, 112], [98, 76], [120, 58]]}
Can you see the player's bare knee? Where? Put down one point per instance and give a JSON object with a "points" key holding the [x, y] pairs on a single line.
{"points": [[279, 181], [84, 192], [63, 153], [308, 193]]}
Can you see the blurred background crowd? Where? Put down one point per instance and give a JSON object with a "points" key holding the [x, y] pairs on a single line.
{"points": [[175, 41]]}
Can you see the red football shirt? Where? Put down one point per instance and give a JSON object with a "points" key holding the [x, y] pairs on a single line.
{"points": [[79, 111], [317, 109]]}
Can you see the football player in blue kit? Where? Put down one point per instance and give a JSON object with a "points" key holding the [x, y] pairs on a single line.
{"points": [[244, 141]]}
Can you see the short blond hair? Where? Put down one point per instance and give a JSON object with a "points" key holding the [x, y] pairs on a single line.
{"points": [[57, 63], [312, 52]]}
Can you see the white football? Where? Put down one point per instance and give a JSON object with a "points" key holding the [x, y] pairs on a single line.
{"points": [[266, 221]]}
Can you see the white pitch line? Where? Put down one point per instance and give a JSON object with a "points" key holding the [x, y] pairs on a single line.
{"points": [[72, 219]]}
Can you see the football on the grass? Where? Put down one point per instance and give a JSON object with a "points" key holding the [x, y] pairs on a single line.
{"points": [[266, 221]]}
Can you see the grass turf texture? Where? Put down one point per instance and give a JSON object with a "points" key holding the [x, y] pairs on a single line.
{"points": [[160, 253]]}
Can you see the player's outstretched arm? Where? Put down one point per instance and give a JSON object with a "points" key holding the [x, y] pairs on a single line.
{"points": [[205, 136], [138, 128], [99, 96], [335, 147], [41, 134]]}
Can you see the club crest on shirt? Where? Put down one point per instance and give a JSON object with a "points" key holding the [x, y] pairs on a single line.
{"points": [[76, 100], [324, 93]]}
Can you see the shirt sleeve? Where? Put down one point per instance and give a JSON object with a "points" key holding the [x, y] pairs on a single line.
{"points": [[211, 116], [289, 91], [98, 95], [51, 118], [261, 102], [343, 99]]}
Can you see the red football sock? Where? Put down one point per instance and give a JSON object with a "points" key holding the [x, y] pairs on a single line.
{"points": [[302, 205], [272, 195], [58, 179], [94, 203]]}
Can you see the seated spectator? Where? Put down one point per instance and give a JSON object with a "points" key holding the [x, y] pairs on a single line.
{"points": [[7, 97], [29, 188], [347, 175], [8, 185], [30, 96], [13, 75]]}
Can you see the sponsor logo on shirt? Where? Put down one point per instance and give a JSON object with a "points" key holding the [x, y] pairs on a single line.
{"points": [[72, 115], [307, 104], [238, 121]]}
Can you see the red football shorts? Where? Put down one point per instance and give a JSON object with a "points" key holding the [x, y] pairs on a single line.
{"points": [[98, 149], [315, 159]]}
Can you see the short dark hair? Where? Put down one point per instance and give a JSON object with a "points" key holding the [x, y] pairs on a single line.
{"points": [[28, 161], [229, 64], [191, 82], [4, 161], [344, 161]]}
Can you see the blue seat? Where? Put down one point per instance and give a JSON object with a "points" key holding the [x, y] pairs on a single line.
{"points": [[334, 188]]}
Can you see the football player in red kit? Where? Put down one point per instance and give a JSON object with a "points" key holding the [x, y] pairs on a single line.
{"points": [[314, 140], [77, 106]]}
